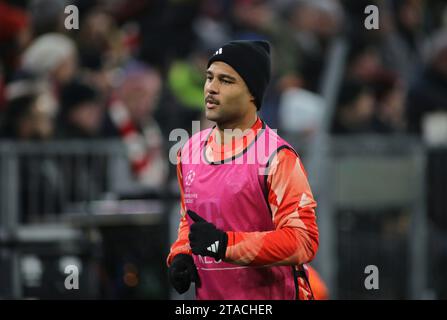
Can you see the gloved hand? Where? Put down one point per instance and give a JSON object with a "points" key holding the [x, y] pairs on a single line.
{"points": [[182, 272], [205, 239]]}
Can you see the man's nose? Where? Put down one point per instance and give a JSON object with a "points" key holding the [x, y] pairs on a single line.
{"points": [[211, 87]]}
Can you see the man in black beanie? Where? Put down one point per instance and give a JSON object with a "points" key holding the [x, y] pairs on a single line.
{"points": [[251, 60], [248, 222]]}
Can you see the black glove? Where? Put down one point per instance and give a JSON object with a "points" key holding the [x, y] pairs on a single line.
{"points": [[205, 239], [182, 272]]}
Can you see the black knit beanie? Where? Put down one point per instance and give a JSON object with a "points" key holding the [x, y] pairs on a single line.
{"points": [[251, 60], [75, 93]]}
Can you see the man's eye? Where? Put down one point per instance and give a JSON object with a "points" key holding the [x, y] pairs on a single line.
{"points": [[225, 81]]}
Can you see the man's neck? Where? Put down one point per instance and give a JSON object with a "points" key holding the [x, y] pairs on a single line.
{"points": [[234, 130]]}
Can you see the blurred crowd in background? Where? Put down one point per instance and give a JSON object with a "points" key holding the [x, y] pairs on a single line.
{"points": [[135, 69]]}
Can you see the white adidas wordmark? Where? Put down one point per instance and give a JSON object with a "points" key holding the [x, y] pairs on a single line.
{"points": [[214, 247], [219, 51]]}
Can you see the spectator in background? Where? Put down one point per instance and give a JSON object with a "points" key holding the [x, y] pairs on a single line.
{"points": [[311, 25], [130, 117], [30, 117], [47, 16], [426, 113], [80, 117], [354, 110], [300, 112], [94, 37], [426, 108], [389, 93], [30, 111], [53, 57], [388, 89], [302, 34], [2, 92], [15, 35], [212, 24], [80, 113], [252, 18], [101, 46], [166, 28], [363, 61], [2, 95], [185, 83], [402, 44]]}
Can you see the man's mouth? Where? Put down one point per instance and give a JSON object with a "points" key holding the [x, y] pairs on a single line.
{"points": [[211, 103]]}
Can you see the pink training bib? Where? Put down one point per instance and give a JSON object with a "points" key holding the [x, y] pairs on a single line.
{"points": [[232, 195]]}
